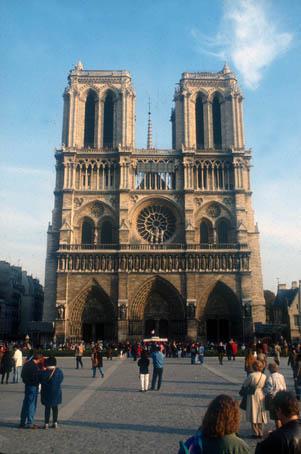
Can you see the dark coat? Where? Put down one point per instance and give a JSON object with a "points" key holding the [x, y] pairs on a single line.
{"points": [[6, 363], [51, 392], [143, 364], [30, 373], [286, 440]]}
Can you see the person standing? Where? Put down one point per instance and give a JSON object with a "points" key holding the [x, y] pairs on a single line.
{"points": [[158, 364], [30, 377], [143, 364], [6, 366], [234, 348], [201, 352], [229, 350], [220, 352], [193, 352], [97, 361], [51, 392], [17, 364], [255, 411], [79, 351]]}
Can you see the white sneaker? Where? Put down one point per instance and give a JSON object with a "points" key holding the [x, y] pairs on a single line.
{"points": [[54, 425], [46, 426]]}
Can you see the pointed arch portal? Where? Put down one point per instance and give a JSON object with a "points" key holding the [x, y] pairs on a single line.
{"points": [[158, 306], [222, 316], [92, 316]]}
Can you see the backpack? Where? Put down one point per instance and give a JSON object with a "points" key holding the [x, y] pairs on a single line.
{"points": [[194, 445]]}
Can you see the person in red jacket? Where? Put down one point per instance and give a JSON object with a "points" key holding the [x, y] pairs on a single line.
{"points": [[234, 348]]}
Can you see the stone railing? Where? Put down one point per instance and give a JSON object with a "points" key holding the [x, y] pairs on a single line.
{"points": [[152, 246], [157, 262]]}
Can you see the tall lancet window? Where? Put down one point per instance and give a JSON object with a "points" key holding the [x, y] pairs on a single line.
{"points": [[199, 122], [108, 120], [90, 120], [217, 125]]}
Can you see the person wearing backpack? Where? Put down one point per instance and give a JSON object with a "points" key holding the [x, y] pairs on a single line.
{"points": [[217, 434], [51, 393]]}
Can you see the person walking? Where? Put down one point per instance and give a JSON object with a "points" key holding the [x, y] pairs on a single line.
{"points": [[249, 361], [143, 364], [255, 409], [220, 353], [51, 393], [30, 377], [274, 383], [97, 361], [17, 364], [6, 366], [277, 353], [158, 364], [79, 352]]}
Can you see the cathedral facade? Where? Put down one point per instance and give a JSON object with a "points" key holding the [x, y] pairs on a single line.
{"points": [[153, 239]]}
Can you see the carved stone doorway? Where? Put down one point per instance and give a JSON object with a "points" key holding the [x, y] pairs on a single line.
{"points": [[97, 320], [222, 316]]}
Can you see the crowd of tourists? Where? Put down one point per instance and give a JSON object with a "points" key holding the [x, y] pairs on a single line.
{"points": [[263, 393]]}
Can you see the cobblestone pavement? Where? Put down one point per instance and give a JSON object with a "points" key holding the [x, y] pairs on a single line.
{"points": [[110, 415]]}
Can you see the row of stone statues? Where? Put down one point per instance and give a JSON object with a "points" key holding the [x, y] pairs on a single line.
{"points": [[148, 263], [122, 311]]}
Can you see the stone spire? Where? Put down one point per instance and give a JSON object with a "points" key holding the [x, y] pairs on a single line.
{"points": [[149, 129]]}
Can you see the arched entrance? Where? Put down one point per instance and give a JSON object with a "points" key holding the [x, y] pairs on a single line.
{"points": [[158, 307], [222, 316], [93, 316]]}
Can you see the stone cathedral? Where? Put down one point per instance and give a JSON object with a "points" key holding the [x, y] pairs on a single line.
{"points": [[145, 239]]}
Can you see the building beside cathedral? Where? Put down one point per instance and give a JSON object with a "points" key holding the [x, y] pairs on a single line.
{"points": [[145, 239]]}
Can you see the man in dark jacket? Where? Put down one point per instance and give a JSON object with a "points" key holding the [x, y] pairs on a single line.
{"points": [[287, 439], [30, 377]]}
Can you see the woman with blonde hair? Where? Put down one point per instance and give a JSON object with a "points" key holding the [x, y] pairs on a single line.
{"points": [[217, 434], [252, 388]]}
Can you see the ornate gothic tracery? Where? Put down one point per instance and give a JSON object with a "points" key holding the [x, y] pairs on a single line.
{"points": [[156, 224]]}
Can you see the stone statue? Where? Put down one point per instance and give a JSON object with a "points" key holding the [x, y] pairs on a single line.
{"points": [[60, 312], [122, 312]]}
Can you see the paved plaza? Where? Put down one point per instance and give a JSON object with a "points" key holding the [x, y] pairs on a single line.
{"points": [[110, 415]]}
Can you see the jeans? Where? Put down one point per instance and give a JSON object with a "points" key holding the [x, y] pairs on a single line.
{"points": [[17, 374], [79, 362], [157, 373], [29, 405], [201, 359], [55, 412], [100, 371]]}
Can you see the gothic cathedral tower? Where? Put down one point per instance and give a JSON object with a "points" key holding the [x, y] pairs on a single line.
{"points": [[145, 239]]}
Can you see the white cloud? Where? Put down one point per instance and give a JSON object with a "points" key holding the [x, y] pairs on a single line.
{"points": [[248, 37]]}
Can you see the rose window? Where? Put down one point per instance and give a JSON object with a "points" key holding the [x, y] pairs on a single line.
{"points": [[156, 224]]}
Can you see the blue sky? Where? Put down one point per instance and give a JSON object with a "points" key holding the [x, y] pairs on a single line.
{"points": [[156, 41]]}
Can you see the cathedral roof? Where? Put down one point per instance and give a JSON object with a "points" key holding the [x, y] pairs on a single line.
{"points": [[285, 296]]}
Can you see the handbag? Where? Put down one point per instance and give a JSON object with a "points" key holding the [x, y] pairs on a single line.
{"points": [[246, 391], [268, 401]]}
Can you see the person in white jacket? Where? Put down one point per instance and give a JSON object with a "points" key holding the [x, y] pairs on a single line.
{"points": [[18, 363], [275, 383]]}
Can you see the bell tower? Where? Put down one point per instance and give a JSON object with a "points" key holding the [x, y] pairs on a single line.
{"points": [[99, 109]]}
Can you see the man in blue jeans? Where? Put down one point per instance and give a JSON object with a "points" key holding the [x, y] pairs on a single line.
{"points": [[158, 363], [30, 377]]}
